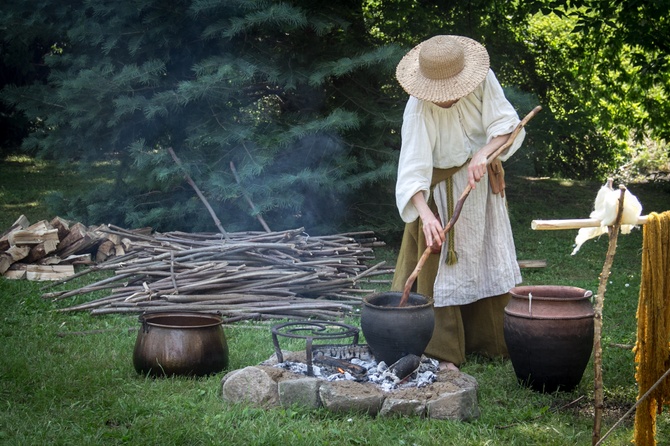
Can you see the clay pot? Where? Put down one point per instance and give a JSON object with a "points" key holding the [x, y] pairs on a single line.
{"points": [[180, 343], [393, 332], [549, 335]]}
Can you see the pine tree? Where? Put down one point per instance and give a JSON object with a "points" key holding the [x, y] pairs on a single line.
{"points": [[295, 95]]}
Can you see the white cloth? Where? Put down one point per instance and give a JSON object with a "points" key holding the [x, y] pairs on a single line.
{"points": [[447, 137]]}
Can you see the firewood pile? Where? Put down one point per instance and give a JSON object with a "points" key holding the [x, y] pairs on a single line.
{"points": [[49, 250], [248, 275]]}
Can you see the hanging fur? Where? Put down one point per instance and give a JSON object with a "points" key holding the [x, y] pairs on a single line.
{"points": [[605, 210]]}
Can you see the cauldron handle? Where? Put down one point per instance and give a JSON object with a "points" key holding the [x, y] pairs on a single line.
{"points": [[143, 320]]}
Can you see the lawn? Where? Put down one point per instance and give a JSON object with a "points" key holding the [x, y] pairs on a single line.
{"points": [[59, 387]]}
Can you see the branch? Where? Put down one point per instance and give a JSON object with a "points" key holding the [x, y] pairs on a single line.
{"points": [[217, 222], [248, 198]]}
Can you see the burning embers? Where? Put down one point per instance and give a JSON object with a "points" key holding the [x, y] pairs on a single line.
{"points": [[352, 362]]}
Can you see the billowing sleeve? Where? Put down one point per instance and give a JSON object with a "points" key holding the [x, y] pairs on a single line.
{"points": [[498, 115], [415, 166]]}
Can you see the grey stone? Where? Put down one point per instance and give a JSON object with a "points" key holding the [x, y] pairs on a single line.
{"points": [[351, 396], [403, 406], [455, 399], [251, 385], [303, 392]]}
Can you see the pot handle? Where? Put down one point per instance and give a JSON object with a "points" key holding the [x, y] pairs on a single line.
{"points": [[143, 320]]}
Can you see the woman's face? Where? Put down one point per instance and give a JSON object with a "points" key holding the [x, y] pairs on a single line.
{"points": [[445, 104]]}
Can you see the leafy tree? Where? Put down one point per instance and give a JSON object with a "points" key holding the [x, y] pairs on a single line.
{"points": [[606, 68]]}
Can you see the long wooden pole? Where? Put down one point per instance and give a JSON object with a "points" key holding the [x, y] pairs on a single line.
{"points": [[575, 223], [598, 322], [459, 204]]}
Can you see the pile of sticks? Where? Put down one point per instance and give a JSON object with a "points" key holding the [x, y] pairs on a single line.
{"points": [[249, 275]]}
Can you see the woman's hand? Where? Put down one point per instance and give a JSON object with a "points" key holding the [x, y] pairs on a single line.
{"points": [[432, 227], [477, 168]]}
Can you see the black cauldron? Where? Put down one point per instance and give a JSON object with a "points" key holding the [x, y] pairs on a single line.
{"points": [[393, 332], [180, 343]]}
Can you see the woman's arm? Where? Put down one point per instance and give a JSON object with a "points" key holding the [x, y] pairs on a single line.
{"points": [[477, 166]]}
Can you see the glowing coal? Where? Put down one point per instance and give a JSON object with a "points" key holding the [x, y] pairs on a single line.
{"points": [[409, 372]]}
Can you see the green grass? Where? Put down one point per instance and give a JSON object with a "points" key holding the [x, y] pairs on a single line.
{"points": [[58, 388]]}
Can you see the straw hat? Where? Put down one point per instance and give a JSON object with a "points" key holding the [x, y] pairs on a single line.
{"points": [[443, 68]]}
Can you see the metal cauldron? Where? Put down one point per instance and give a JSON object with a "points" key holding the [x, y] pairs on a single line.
{"points": [[180, 343]]}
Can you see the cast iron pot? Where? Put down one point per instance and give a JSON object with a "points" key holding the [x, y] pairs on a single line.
{"points": [[393, 332], [549, 334], [180, 343]]}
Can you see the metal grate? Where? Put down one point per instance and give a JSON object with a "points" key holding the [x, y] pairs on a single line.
{"points": [[310, 332]]}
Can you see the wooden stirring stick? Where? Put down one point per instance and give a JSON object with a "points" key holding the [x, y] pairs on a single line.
{"points": [[459, 204]]}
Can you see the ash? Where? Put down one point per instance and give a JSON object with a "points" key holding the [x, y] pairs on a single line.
{"points": [[377, 373]]}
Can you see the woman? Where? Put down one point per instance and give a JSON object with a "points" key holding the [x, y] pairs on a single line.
{"points": [[456, 116]]}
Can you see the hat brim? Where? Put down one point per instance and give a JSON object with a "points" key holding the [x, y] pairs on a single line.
{"points": [[475, 69]]}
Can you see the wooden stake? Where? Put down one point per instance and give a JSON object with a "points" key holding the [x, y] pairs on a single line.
{"points": [[598, 322], [217, 222]]}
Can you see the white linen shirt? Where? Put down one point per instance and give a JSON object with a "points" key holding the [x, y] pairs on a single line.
{"points": [[433, 136]]}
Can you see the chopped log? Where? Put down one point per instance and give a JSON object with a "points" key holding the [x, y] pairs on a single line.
{"points": [[83, 246], [79, 241], [5, 263], [126, 244], [48, 272], [21, 223], [12, 255], [35, 236], [77, 232], [62, 225], [41, 250], [106, 249], [15, 274], [50, 260], [18, 252]]}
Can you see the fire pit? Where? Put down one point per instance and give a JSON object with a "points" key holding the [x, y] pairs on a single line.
{"points": [[352, 362], [347, 378], [310, 332]]}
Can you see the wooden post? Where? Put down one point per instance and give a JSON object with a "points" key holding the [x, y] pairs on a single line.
{"points": [[598, 322]]}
